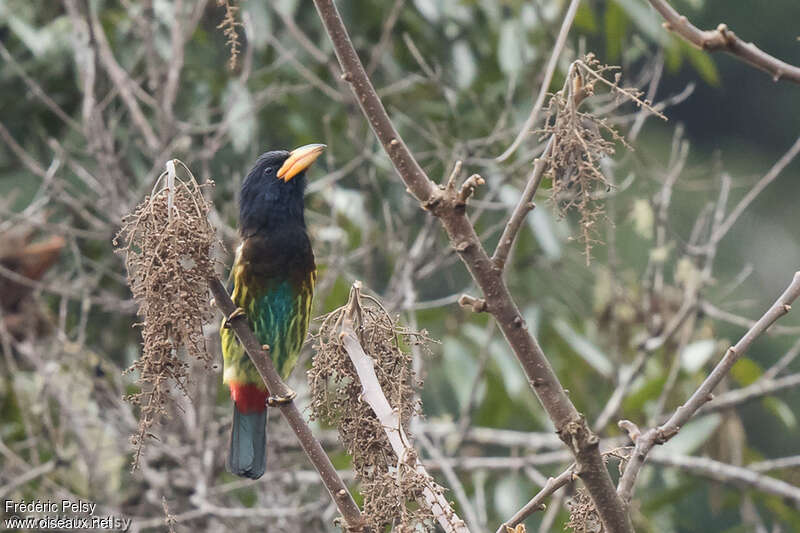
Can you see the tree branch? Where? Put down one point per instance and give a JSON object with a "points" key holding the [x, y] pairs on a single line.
{"points": [[723, 39], [524, 206], [390, 420], [537, 502], [570, 424], [730, 474], [548, 77], [663, 433], [762, 387], [336, 487]]}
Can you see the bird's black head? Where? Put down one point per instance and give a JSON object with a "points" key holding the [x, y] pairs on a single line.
{"points": [[272, 193]]}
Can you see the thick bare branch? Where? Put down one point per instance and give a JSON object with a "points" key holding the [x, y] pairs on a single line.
{"points": [[724, 40], [570, 424]]}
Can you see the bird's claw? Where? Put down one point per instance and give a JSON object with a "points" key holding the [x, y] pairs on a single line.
{"points": [[236, 314], [274, 401]]}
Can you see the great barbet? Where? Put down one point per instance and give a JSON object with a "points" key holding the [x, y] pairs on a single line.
{"points": [[273, 279]]}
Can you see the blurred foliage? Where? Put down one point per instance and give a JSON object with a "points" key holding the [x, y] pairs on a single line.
{"points": [[458, 77]]}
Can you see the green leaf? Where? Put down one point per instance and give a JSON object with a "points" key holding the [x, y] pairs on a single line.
{"points": [[746, 371], [696, 354], [646, 19], [642, 217], [511, 48], [704, 65], [261, 19], [585, 19], [460, 368], [781, 410], [673, 56], [510, 493], [616, 25], [648, 391], [545, 230], [583, 347], [464, 64], [693, 435], [240, 112]]}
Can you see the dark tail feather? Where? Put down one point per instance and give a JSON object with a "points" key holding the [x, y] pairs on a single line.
{"points": [[247, 456]]}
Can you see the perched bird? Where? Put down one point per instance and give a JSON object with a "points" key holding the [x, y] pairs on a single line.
{"points": [[273, 282]]}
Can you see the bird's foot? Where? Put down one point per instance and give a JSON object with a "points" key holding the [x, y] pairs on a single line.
{"points": [[274, 401], [236, 314]]}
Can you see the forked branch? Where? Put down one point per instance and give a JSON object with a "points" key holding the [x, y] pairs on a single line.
{"points": [[723, 39], [449, 208], [659, 435]]}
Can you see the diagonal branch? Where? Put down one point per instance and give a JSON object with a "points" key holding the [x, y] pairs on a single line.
{"points": [[524, 206], [122, 82], [446, 204], [661, 434], [390, 420], [558, 47], [537, 502], [316, 454], [723, 39], [730, 474]]}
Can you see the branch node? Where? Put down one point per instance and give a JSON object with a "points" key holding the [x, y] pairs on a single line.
{"points": [[631, 429], [462, 246], [468, 188], [432, 203], [454, 174], [477, 305]]}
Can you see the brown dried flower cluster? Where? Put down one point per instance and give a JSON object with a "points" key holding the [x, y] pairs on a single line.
{"points": [[391, 487], [583, 515], [581, 140], [167, 246], [228, 27]]}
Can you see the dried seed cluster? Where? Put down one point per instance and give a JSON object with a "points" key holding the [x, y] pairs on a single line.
{"points": [[390, 486], [581, 140], [583, 515], [229, 26], [167, 243]]}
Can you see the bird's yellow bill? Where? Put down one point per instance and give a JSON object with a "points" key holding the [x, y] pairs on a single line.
{"points": [[299, 160]]}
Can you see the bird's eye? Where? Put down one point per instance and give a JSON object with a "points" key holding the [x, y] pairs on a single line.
{"points": [[268, 171]]}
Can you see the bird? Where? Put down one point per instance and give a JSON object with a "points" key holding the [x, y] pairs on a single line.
{"points": [[273, 277]]}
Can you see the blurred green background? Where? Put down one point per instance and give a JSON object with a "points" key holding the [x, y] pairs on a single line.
{"points": [[458, 78]]}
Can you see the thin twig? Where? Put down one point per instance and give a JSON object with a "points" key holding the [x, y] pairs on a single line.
{"points": [[723, 39], [524, 206], [727, 473], [537, 502], [558, 47], [661, 434], [762, 387]]}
